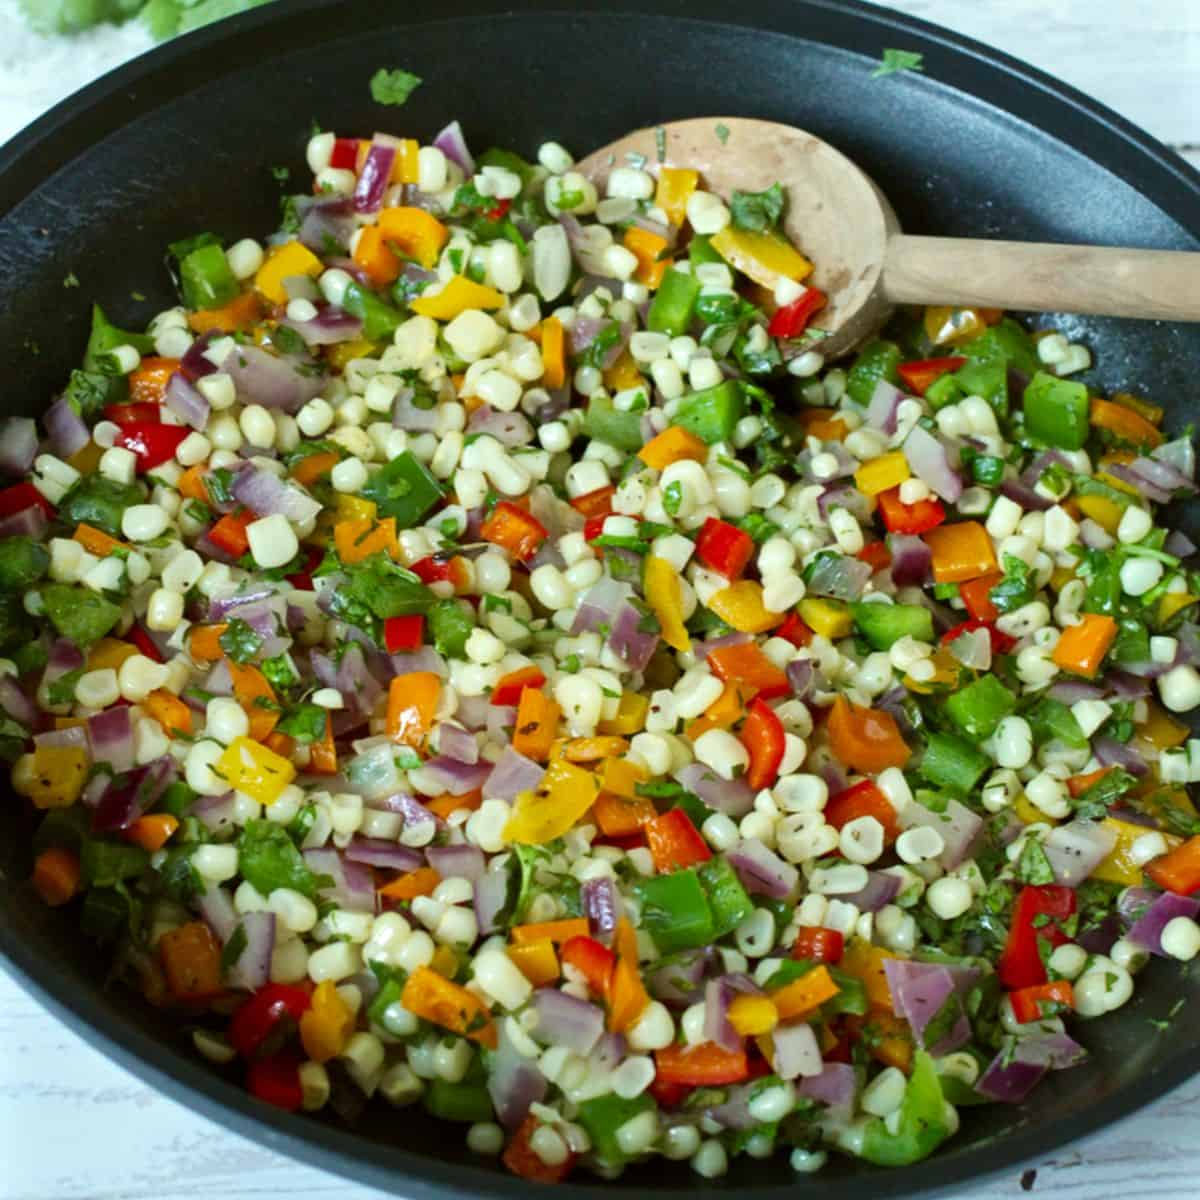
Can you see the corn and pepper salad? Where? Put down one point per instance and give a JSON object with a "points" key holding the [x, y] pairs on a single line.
{"points": [[474, 653]]}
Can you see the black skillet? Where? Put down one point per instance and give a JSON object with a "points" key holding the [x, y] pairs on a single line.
{"points": [[185, 139]]}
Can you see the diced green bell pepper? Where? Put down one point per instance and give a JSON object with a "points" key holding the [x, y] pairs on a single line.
{"points": [[78, 613], [449, 626], [712, 414], [987, 378], [884, 624], [727, 898], [979, 707], [206, 279], [22, 563], [952, 764], [943, 391], [1051, 719], [404, 489], [458, 1101], [379, 320], [607, 423], [602, 1116], [1056, 411], [104, 864], [101, 502], [377, 1012], [1006, 342], [671, 309], [675, 911], [700, 251], [876, 360], [923, 1126]]}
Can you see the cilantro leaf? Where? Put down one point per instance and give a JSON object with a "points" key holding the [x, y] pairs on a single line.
{"points": [[240, 641], [393, 87], [306, 723], [268, 859], [894, 61], [758, 212]]}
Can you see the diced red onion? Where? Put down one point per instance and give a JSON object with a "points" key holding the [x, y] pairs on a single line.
{"points": [[252, 968], [111, 736], [1125, 686], [844, 495], [18, 445], [719, 994], [325, 222], [1071, 691], [881, 890], [958, 826], [216, 907], [66, 429], [1147, 930], [513, 774], [588, 283], [453, 145], [801, 675], [1112, 753], [885, 403], [1041, 464], [602, 907], [410, 416], [491, 895], [508, 428], [186, 402], [29, 522], [378, 852], [680, 981], [761, 870], [929, 459], [973, 649], [920, 991], [14, 702], [1162, 475], [373, 178], [410, 808], [215, 812], [355, 681], [733, 797], [267, 494], [835, 1087], [456, 778], [455, 742], [472, 711], [1008, 1079], [425, 659], [627, 640], [515, 1084], [1127, 474], [128, 796], [501, 718], [457, 862], [736, 638], [353, 887], [839, 576], [72, 738], [330, 327], [797, 1054], [734, 1111], [1058, 1051], [609, 1051], [911, 559], [1179, 454], [564, 1020], [1133, 902], [262, 378], [599, 605]]}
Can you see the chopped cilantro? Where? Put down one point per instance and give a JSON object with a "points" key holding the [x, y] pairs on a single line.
{"points": [[393, 87]]}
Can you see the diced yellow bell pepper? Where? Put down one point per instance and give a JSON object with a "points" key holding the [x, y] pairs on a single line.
{"points": [[87, 460], [406, 165], [880, 474], [1025, 812], [561, 799], [945, 326], [109, 652], [1143, 408], [865, 962], [1119, 866], [255, 769], [764, 257], [290, 259], [444, 962], [354, 508], [741, 607], [751, 1016], [416, 233], [830, 618], [945, 674], [663, 594], [630, 718], [1060, 577], [52, 776], [675, 187], [537, 961], [621, 777], [1161, 730], [623, 374], [1105, 512], [327, 1023], [1174, 602], [1117, 484], [345, 352], [459, 294]]}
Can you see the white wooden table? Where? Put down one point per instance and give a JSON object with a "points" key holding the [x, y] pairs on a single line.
{"points": [[74, 1126]]}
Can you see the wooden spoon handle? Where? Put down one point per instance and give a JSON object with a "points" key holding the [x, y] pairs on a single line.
{"points": [[1036, 277]]}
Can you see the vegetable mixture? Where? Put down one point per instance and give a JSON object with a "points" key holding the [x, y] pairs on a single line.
{"points": [[473, 653]]}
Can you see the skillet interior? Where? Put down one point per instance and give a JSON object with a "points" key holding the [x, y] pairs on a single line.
{"points": [[185, 140]]}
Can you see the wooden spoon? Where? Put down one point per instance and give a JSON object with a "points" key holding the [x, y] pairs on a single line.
{"points": [[837, 217]]}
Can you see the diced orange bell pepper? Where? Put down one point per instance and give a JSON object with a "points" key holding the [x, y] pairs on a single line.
{"points": [[887, 1036], [1178, 870], [237, 316], [865, 739], [803, 996], [675, 843], [1082, 647], [623, 374], [257, 698], [593, 749], [435, 999], [322, 754], [554, 354], [152, 831], [702, 1065], [191, 484], [537, 961], [549, 931], [418, 234], [204, 642], [1124, 423], [326, 1024], [977, 596], [523, 1161], [741, 606], [96, 541], [864, 799], [619, 817], [356, 540], [310, 468], [672, 445], [412, 705], [748, 666], [960, 551], [621, 777], [411, 884], [537, 724], [229, 533], [374, 257], [148, 383], [865, 963], [444, 806], [56, 875], [191, 961], [823, 424], [518, 532], [291, 259], [650, 251], [627, 996], [169, 711]]}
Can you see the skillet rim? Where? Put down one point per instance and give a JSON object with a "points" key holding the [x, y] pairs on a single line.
{"points": [[88, 115]]}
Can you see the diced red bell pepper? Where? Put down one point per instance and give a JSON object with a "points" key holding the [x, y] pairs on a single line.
{"points": [[919, 375], [302, 580], [1002, 643], [794, 630], [345, 154], [229, 533], [669, 1095], [819, 945], [765, 741], [724, 548], [498, 211], [705, 1065], [876, 555], [675, 843], [21, 496], [154, 444], [518, 532], [145, 643], [1020, 963], [593, 528], [508, 689], [864, 799], [276, 1079], [261, 1014], [791, 320], [899, 517], [1041, 1000], [440, 570], [622, 841], [404, 633], [596, 503], [593, 960], [977, 596], [143, 413]]}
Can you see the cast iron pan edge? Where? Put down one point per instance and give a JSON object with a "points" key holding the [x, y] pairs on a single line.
{"points": [[89, 116]]}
